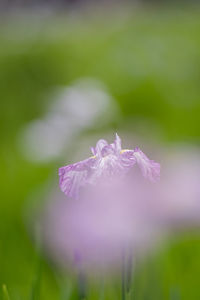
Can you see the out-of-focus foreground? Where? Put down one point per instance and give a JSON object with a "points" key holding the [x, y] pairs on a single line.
{"points": [[64, 81]]}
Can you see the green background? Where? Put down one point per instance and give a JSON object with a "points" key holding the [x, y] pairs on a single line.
{"points": [[149, 59]]}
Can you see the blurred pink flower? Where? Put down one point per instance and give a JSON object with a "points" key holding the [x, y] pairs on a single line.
{"points": [[91, 232], [179, 190], [108, 161]]}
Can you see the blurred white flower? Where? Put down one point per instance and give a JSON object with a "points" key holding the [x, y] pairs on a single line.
{"points": [[84, 103], [72, 109]]}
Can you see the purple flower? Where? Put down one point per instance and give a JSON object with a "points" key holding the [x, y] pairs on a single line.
{"points": [[108, 161]]}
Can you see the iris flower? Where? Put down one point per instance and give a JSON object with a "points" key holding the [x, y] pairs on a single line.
{"points": [[108, 161]]}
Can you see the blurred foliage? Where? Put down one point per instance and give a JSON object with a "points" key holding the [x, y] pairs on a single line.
{"points": [[150, 62]]}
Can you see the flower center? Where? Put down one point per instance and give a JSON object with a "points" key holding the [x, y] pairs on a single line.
{"points": [[124, 150]]}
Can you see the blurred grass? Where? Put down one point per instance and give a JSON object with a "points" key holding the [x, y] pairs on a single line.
{"points": [[5, 292], [150, 61]]}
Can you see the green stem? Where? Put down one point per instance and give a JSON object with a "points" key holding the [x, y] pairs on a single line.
{"points": [[102, 289], [35, 290], [123, 277], [129, 267], [81, 286]]}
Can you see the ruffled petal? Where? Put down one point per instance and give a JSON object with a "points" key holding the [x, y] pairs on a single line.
{"points": [[150, 169], [127, 158], [75, 176], [99, 147], [93, 150], [108, 161], [117, 144]]}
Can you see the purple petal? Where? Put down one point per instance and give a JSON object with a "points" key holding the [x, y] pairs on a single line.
{"points": [[117, 144], [149, 168], [127, 158], [73, 177], [93, 151], [99, 147]]}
